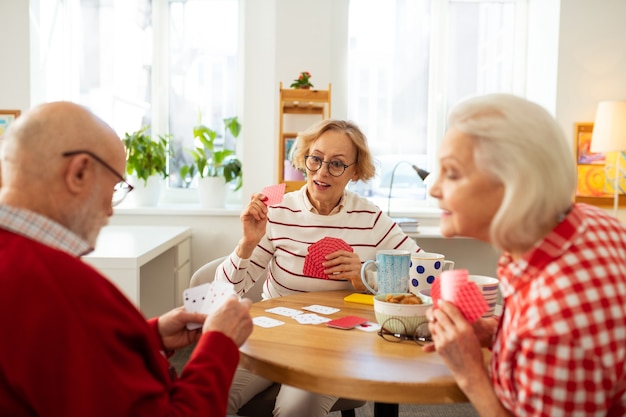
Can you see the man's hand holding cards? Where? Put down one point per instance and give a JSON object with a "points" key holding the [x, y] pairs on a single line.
{"points": [[206, 298]]}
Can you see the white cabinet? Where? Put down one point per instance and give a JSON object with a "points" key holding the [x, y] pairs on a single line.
{"points": [[151, 265]]}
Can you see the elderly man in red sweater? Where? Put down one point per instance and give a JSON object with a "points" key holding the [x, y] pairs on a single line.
{"points": [[72, 344]]}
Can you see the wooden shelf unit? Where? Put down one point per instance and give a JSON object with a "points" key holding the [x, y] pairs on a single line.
{"points": [[294, 103]]}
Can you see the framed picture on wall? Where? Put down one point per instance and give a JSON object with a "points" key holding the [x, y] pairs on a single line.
{"points": [[594, 186], [6, 118]]}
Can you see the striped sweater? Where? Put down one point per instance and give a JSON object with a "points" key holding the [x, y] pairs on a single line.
{"points": [[292, 227]]}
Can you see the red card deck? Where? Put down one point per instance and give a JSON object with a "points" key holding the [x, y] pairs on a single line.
{"points": [[466, 296], [317, 254], [346, 322]]}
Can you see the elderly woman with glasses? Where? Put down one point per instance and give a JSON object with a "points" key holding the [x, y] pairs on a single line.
{"points": [[276, 239]]}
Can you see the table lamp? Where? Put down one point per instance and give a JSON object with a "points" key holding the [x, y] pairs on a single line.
{"points": [[422, 173], [609, 135]]}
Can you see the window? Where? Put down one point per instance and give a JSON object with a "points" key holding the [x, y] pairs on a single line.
{"points": [[104, 54], [423, 57], [173, 64]]}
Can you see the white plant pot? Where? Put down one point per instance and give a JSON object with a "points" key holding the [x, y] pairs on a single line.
{"points": [[212, 192], [146, 194]]}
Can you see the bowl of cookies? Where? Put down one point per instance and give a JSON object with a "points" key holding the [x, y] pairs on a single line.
{"points": [[407, 310]]}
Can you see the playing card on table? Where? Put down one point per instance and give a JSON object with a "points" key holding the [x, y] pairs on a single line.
{"points": [[461, 292], [317, 254], [266, 321], [284, 311], [274, 193], [347, 322], [321, 309], [310, 319], [368, 326]]}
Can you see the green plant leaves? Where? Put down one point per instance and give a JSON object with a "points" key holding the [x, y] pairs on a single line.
{"points": [[146, 156], [212, 162]]}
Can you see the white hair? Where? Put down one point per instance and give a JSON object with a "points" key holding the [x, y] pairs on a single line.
{"points": [[521, 145]]}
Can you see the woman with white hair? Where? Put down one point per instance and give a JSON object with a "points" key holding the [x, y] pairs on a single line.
{"points": [[507, 177]]}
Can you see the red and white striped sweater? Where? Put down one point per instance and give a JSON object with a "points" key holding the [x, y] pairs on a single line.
{"points": [[292, 227]]}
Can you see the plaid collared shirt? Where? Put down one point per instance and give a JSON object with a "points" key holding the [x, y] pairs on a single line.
{"points": [[43, 230], [561, 348]]}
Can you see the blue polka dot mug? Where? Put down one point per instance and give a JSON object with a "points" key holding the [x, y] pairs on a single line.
{"points": [[425, 268]]}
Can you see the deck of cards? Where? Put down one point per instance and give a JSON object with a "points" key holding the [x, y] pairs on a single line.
{"points": [[455, 287], [317, 254], [206, 298]]}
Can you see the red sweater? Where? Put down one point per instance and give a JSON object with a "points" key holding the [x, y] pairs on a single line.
{"points": [[72, 345]]}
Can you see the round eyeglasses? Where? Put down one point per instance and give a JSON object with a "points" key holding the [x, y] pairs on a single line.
{"points": [[120, 190], [394, 330], [335, 168]]}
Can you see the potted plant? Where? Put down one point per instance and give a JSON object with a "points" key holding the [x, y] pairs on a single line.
{"points": [[214, 166], [303, 81], [146, 163]]}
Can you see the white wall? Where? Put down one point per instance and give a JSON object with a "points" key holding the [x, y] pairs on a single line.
{"points": [[283, 38], [591, 61], [14, 59], [592, 58]]}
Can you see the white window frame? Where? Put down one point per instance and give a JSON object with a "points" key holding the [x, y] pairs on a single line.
{"points": [[438, 106]]}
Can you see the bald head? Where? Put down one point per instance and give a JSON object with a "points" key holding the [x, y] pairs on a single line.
{"points": [[36, 175], [52, 128]]}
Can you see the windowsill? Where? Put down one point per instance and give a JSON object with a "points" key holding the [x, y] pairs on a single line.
{"points": [[426, 215], [177, 209]]}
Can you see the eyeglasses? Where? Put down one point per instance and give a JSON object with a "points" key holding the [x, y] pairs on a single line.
{"points": [[394, 330], [121, 189], [335, 168]]}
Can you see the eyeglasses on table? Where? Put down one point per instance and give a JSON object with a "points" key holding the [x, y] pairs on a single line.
{"points": [[394, 330]]}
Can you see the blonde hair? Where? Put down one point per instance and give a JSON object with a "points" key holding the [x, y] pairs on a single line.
{"points": [[520, 145], [364, 164]]}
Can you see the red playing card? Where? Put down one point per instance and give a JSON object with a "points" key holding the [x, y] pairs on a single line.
{"points": [[274, 193], [467, 298], [346, 322], [317, 254]]}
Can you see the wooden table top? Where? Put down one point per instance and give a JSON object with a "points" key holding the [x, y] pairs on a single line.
{"points": [[345, 363]]}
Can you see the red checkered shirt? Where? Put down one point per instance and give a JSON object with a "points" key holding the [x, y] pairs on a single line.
{"points": [[561, 348]]}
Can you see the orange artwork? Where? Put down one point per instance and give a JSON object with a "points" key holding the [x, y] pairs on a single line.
{"points": [[6, 118], [596, 171]]}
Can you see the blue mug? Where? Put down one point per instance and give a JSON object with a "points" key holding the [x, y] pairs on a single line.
{"points": [[392, 271]]}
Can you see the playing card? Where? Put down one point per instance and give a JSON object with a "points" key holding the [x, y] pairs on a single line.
{"points": [[194, 297], [218, 292], [321, 309], [274, 193], [206, 298], [467, 297], [368, 326], [266, 321], [346, 322], [284, 311], [310, 319], [317, 254]]}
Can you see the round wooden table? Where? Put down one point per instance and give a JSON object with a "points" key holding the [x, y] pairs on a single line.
{"points": [[345, 363]]}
